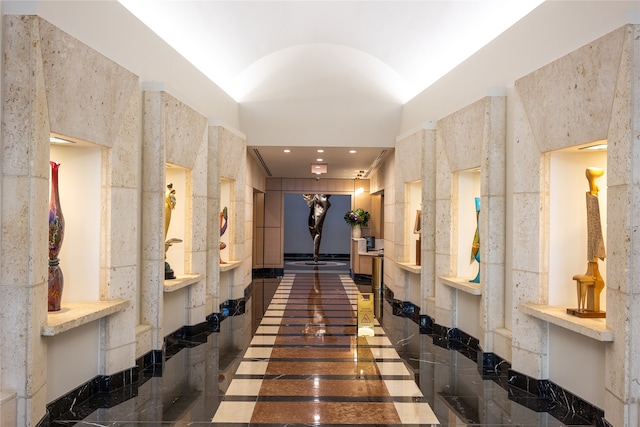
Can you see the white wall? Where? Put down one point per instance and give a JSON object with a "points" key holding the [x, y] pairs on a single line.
{"points": [[79, 187]]}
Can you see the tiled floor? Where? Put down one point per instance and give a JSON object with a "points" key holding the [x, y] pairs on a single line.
{"points": [[306, 364], [295, 360]]}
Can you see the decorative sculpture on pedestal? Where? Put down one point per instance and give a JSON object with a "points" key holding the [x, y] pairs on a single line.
{"points": [[56, 236], [417, 229], [319, 205], [589, 286], [169, 205], [475, 247], [223, 227]]}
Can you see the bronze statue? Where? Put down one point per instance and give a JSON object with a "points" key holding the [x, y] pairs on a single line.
{"points": [[319, 205]]}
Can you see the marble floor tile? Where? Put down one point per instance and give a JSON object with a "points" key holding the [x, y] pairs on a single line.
{"points": [[244, 387], [252, 368], [415, 413], [263, 340], [319, 413], [258, 352], [234, 412], [393, 368], [267, 330], [296, 361], [403, 388]]}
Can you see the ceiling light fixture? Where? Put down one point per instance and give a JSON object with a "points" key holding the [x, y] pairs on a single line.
{"points": [[287, 150], [352, 151], [321, 151], [318, 168], [596, 147], [58, 140]]}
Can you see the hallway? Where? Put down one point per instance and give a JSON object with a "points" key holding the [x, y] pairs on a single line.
{"points": [[305, 365]]}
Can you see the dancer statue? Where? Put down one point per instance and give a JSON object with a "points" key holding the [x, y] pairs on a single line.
{"points": [[319, 205]]}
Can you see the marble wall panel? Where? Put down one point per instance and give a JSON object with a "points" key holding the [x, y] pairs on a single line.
{"points": [[25, 115], [428, 227], [24, 255], [120, 228], [568, 102], [213, 222], [184, 131], [587, 95], [173, 133], [494, 225], [462, 136], [87, 93]]}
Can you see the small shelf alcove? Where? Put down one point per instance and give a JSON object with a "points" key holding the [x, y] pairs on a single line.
{"points": [[567, 219], [80, 193], [176, 177], [466, 224], [413, 224]]}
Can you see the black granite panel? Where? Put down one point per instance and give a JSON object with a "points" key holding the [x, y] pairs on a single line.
{"points": [[426, 324], [214, 320], [267, 273]]}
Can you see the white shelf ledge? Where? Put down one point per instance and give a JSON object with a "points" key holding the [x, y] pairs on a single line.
{"points": [[462, 284], [181, 281], [75, 314], [411, 268], [230, 265], [592, 328]]}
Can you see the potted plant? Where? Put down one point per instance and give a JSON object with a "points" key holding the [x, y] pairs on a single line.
{"points": [[357, 218]]}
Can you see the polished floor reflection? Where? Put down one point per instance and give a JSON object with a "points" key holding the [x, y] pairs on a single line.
{"points": [[295, 359], [307, 365]]}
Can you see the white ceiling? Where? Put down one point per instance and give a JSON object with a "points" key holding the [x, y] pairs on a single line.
{"points": [[325, 74]]}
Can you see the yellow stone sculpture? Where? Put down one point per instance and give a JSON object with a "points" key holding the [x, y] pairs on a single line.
{"points": [[589, 285]]}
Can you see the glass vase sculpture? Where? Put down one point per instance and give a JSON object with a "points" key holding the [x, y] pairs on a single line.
{"points": [[56, 236], [224, 220], [475, 247]]}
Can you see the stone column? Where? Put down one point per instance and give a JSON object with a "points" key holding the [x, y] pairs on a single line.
{"points": [[24, 241]]}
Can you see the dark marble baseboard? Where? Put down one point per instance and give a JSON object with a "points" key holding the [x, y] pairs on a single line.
{"points": [[536, 394]]}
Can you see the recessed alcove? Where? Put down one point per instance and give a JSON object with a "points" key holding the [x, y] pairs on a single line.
{"points": [[465, 221], [568, 220], [175, 255], [413, 218], [80, 198], [75, 326], [568, 238]]}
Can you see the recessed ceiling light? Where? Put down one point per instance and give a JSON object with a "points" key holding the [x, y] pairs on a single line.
{"points": [[56, 140], [319, 160], [287, 151], [320, 151], [352, 151], [597, 147]]}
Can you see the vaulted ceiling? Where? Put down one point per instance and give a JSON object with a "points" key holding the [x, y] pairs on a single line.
{"points": [[325, 74]]}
